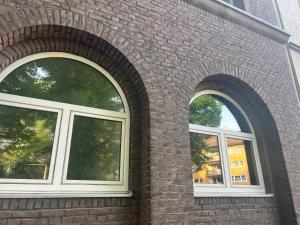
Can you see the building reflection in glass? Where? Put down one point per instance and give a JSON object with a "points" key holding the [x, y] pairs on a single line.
{"points": [[207, 167], [241, 162]]}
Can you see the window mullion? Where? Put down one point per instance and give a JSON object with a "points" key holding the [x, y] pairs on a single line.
{"points": [[258, 165], [225, 160], [61, 149]]}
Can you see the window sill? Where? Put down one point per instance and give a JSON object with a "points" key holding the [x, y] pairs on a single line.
{"points": [[64, 194], [204, 195], [243, 18]]}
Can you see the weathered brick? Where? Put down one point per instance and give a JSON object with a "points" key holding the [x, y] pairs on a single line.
{"points": [[52, 213], [25, 213]]}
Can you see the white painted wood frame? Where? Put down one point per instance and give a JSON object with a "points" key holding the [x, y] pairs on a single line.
{"points": [[57, 185], [228, 189]]}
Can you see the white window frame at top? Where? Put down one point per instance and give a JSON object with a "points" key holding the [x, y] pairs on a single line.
{"points": [[57, 185], [228, 189]]}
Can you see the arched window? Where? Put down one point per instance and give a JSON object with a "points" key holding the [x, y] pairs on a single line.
{"points": [[224, 153], [64, 128]]}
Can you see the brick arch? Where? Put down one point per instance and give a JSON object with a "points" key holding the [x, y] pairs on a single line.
{"points": [[14, 23], [205, 69], [214, 67], [32, 30], [33, 23], [213, 76]]}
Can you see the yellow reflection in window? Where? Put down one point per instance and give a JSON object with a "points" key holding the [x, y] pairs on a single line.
{"points": [[206, 159], [240, 156]]}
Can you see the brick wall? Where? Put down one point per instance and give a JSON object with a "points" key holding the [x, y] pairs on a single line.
{"points": [[166, 50], [67, 211], [254, 211], [83, 210], [271, 157]]}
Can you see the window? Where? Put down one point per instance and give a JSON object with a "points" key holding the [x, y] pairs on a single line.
{"points": [[223, 147], [237, 163], [64, 128], [237, 3], [238, 179]]}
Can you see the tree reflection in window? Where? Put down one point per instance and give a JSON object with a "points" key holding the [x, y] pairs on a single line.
{"points": [[95, 150], [222, 145], [26, 142], [63, 80], [27, 134], [206, 158]]}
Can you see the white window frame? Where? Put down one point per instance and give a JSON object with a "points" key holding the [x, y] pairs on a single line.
{"points": [[57, 185], [228, 189]]}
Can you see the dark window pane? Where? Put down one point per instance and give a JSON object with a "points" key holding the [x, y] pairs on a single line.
{"points": [[215, 111], [242, 150], [26, 142], [95, 150], [239, 4], [63, 80], [206, 158]]}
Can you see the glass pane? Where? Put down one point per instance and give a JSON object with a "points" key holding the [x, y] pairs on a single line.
{"points": [[206, 159], [26, 142], [211, 111], [95, 150], [242, 162], [239, 3], [63, 80]]}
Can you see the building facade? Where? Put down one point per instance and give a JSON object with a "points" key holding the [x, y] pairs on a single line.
{"points": [[178, 112], [288, 18]]}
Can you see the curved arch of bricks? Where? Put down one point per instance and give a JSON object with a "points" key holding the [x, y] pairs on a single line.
{"points": [[31, 30], [271, 156], [28, 31]]}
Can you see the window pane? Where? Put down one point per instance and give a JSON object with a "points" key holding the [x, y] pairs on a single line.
{"points": [[242, 151], [213, 111], [63, 80], [95, 150], [26, 142], [206, 158], [239, 4]]}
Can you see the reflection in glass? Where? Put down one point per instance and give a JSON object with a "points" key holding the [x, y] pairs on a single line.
{"points": [[63, 80], [206, 160], [26, 142], [95, 150], [242, 161], [209, 110], [239, 3]]}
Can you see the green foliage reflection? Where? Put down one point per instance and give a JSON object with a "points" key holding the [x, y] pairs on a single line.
{"points": [[95, 150], [205, 110], [63, 80], [26, 140], [198, 148]]}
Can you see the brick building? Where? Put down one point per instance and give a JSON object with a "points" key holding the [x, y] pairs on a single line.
{"points": [[288, 17], [144, 112]]}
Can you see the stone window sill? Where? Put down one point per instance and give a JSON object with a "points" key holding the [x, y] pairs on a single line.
{"points": [[245, 195]]}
